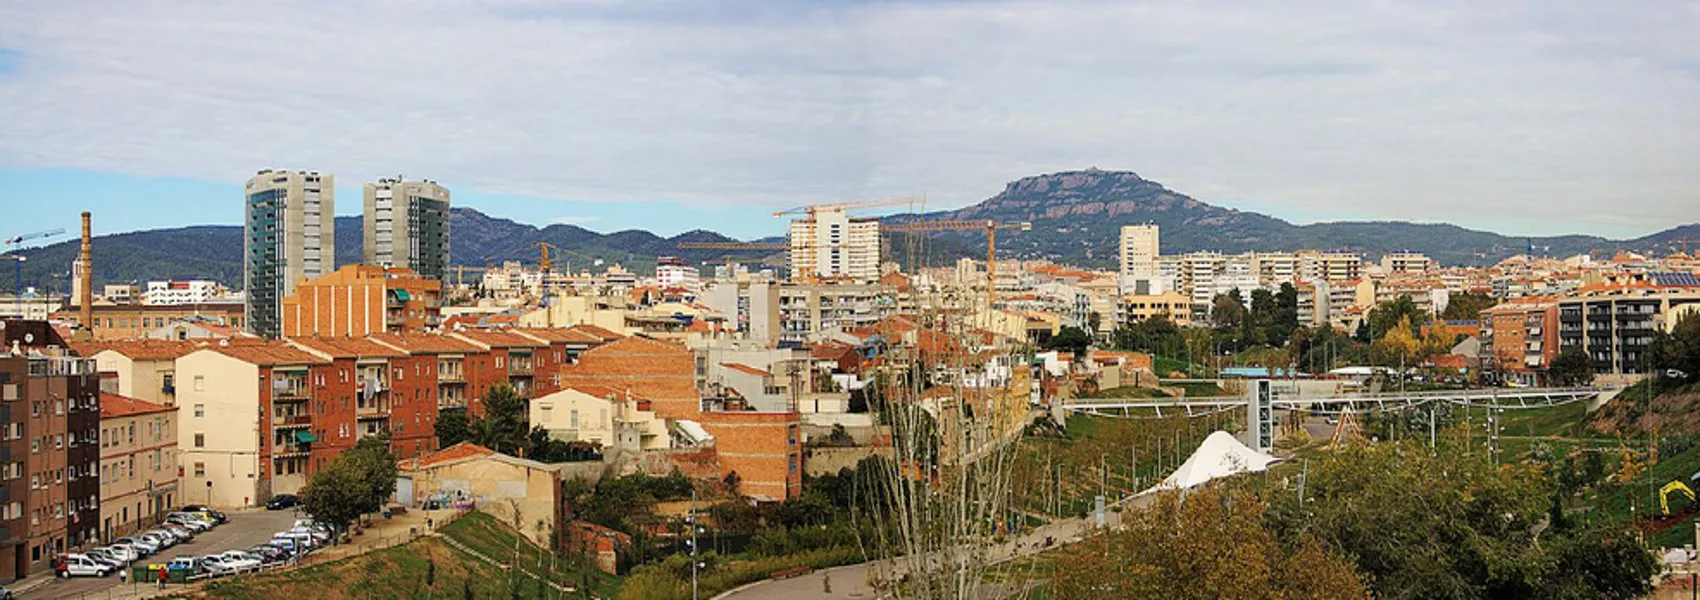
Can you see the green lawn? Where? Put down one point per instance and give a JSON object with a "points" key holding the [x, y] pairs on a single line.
{"points": [[1165, 365], [1201, 389], [1128, 391]]}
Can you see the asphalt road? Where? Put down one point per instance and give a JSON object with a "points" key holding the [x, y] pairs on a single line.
{"points": [[245, 530]]}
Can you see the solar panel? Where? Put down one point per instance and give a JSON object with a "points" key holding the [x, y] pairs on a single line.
{"points": [[1675, 279]]}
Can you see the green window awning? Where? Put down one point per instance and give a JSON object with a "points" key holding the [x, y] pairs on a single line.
{"points": [[401, 295], [305, 436]]}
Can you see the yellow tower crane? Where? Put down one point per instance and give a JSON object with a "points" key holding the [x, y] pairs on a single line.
{"points": [[991, 228]]}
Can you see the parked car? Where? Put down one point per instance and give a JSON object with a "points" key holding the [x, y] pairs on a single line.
{"points": [[78, 565], [268, 554], [190, 564], [123, 552], [288, 544], [104, 558], [305, 539], [216, 566], [319, 537], [198, 515], [217, 516], [182, 533], [242, 561], [159, 538], [132, 551], [146, 546], [194, 523], [5, 593], [283, 501]]}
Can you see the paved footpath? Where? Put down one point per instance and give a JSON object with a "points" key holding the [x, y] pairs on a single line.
{"points": [[851, 581]]}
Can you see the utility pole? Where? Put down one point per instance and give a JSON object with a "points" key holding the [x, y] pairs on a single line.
{"points": [[692, 521]]}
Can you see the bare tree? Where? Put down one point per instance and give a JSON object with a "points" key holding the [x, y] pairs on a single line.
{"points": [[955, 423]]}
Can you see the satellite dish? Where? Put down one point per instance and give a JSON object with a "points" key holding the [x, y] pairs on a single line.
{"points": [[29, 338]]}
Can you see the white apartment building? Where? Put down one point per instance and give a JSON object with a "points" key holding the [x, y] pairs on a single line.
{"points": [[173, 293], [1139, 250], [673, 272], [829, 244], [1333, 265], [806, 311]]}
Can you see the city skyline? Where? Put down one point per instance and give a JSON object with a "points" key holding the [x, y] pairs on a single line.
{"points": [[1525, 121]]}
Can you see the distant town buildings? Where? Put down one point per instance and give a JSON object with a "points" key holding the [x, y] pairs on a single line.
{"points": [[288, 234], [407, 226], [175, 293]]}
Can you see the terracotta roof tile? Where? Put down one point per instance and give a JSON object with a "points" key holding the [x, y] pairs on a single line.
{"points": [[559, 335], [603, 334], [455, 452], [426, 343], [113, 406], [746, 369], [346, 347], [493, 338], [268, 353], [139, 349]]}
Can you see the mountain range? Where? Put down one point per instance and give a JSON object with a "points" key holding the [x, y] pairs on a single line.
{"points": [[1076, 218]]}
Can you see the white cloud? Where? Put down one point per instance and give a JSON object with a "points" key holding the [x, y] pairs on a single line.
{"points": [[1555, 115]]}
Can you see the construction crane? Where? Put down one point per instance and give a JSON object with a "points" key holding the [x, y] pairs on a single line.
{"points": [[811, 209], [544, 265], [13, 243], [991, 228]]}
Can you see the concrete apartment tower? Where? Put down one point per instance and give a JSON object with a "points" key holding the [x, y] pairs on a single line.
{"points": [[1139, 250], [829, 244], [407, 225], [289, 233]]}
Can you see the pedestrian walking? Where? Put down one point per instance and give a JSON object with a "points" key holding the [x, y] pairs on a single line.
{"points": [[162, 578], [122, 575]]}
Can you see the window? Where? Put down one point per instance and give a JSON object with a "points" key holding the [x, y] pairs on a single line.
{"points": [[200, 470], [200, 440], [35, 481], [498, 362], [573, 418], [200, 383], [35, 444], [200, 410], [58, 407], [58, 441], [132, 466], [132, 433]]}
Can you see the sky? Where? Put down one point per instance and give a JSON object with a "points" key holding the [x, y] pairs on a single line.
{"points": [[1522, 117]]}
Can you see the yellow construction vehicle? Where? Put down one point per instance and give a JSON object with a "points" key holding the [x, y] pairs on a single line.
{"points": [[1673, 486]]}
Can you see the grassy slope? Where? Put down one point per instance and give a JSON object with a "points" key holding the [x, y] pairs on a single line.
{"points": [[401, 572]]}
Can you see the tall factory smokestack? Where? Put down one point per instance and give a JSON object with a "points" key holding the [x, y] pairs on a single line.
{"points": [[86, 299]]}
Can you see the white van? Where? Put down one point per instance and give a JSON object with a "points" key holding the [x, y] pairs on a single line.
{"points": [[77, 565]]}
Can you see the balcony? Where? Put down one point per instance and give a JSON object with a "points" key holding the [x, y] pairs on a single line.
{"points": [[371, 411], [286, 387], [450, 377], [289, 421], [292, 450], [518, 368]]}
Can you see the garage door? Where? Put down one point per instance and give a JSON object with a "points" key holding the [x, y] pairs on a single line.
{"points": [[404, 490]]}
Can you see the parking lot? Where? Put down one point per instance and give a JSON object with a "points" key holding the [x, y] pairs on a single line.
{"points": [[246, 529]]}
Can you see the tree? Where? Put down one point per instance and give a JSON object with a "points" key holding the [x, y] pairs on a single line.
{"points": [[502, 428], [1571, 367], [451, 427], [1467, 306], [1227, 311], [1424, 525], [358, 481], [1387, 315], [1679, 350], [1156, 335], [337, 494], [1214, 544], [1070, 339]]}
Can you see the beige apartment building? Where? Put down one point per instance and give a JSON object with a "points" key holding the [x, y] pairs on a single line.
{"points": [[138, 464], [599, 415], [1139, 250], [144, 369]]}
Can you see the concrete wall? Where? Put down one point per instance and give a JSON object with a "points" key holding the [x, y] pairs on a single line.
{"points": [[594, 420], [829, 461], [499, 488], [223, 408]]}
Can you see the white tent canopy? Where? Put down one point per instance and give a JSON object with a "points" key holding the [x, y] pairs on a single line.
{"points": [[1219, 456]]}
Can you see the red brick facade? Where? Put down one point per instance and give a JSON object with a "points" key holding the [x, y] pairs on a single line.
{"points": [[763, 448]]}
